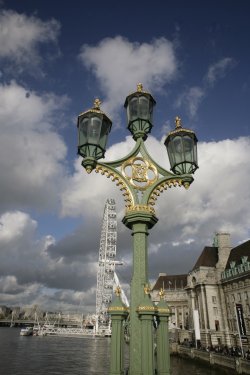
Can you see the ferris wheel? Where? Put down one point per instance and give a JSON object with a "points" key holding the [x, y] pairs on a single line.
{"points": [[106, 262]]}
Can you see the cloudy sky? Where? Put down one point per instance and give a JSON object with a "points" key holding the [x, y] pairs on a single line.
{"points": [[54, 60]]}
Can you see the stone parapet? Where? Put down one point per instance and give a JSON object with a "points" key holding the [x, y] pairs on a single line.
{"points": [[240, 365]]}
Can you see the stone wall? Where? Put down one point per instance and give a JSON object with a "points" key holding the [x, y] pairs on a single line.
{"points": [[241, 366]]}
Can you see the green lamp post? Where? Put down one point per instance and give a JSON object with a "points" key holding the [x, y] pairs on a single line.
{"points": [[141, 181]]}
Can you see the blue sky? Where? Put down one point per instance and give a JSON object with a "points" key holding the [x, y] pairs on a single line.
{"points": [[54, 60]]}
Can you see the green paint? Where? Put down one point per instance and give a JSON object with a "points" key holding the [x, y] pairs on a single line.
{"points": [[118, 314]]}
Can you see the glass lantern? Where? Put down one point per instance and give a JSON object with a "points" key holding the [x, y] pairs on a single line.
{"points": [[139, 106], [181, 145], [93, 129]]}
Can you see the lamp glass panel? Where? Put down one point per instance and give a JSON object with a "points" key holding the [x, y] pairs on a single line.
{"points": [[82, 131], [195, 152], [144, 107], [177, 149], [133, 109], [151, 105], [104, 133], [94, 130], [188, 145]]}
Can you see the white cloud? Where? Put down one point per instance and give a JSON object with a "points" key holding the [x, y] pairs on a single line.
{"points": [[31, 152], [119, 65], [21, 36], [31, 274], [62, 275], [219, 70], [191, 99], [9, 284], [218, 198], [13, 224]]}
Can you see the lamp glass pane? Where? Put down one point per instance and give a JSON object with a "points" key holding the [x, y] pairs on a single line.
{"points": [[188, 144], [104, 133], [94, 130], [177, 149], [133, 109], [144, 107], [82, 131], [151, 106]]}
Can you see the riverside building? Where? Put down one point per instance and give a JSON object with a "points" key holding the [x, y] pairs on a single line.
{"points": [[218, 284]]}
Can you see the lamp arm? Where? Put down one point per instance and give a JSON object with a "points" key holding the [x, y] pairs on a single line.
{"points": [[167, 182], [119, 162], [160, 169], [108, 170], [164, 179]]}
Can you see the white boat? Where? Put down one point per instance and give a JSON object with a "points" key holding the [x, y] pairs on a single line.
{"points": [[53, 330], [27, 331]]}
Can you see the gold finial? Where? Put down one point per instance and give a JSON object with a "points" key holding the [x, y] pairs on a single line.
{"points": [[147, 289], [161, 293], [118, 291], [177, 122], [139, 87], [97, 104]]}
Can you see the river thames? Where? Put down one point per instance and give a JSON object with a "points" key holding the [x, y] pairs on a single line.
{"points": [[50, 355]]}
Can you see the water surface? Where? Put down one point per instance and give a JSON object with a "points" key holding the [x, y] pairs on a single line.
{"points": [[53, 355]]}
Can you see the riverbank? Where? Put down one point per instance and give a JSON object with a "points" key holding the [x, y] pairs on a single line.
{"points": [[240, 365]]}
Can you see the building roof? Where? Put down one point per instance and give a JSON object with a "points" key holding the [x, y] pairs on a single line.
{"points": [[170, 282], [208, 258], [238, 252]]}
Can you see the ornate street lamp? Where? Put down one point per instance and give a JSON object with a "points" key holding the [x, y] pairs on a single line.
{"points": [[93, 128], [139, 106], [141, 181], [181, 145]]}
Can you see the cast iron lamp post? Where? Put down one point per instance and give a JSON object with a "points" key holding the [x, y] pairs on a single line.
{"points": [[141, 181]]}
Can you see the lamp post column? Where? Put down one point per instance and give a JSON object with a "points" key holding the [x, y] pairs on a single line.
{"points": [[163, 352], [146, 312], [140, 222], [118, 312]]}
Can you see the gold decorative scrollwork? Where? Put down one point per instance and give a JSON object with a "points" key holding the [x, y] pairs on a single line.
{"points": [[140, 207], [128, 198], [164, 310], [146, 308], [163, 186], [117, 308], [139, 172]]}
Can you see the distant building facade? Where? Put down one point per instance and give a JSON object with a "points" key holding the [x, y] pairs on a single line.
{"points": [[219, 279], [235, 281]]}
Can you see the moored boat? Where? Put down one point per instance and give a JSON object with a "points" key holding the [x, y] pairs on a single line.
{"points": [[27, 331]]}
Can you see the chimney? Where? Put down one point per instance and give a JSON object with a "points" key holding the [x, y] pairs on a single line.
{"points": [[223, 242]]}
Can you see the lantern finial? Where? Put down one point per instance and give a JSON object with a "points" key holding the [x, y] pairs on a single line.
{"points": [[161, 293], [139, 87], [118, 291], [147, 289], [97, 104], [178, 122]]}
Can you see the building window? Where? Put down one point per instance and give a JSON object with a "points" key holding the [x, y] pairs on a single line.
{"points": [[215, 311], [232, 298], [245, 296], [214, 299], [239, 297], [217, 325]]}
